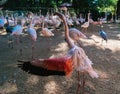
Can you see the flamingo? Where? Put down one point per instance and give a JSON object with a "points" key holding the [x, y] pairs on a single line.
{"points": [[2, 23], [69, 21], [56, 21], [75, 34], [17, 31], [14, 31], [75, 59], [9, 30], [80, 60], [81, 19], [32, 32], [97, 22], [45, 31], [86, 24]]}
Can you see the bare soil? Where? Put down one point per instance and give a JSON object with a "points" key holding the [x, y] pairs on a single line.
{"points": [[23, 78]]}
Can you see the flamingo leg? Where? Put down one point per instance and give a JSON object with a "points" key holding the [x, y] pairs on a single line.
{"points": [[83, 82], [85, 30], [79, 84], [10, 41], [33, 48], [17, 39], [18, 42]]}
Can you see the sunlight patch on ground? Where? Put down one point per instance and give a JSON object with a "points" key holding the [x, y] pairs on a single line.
{"points": [[115, 26], [3, 33], [68, 82], [118, 36], [52, 56], [8, 88], [61, 47], [90, 85], [113, 45], [33, 80], [103, 75], [52, 88], [92, 40]]}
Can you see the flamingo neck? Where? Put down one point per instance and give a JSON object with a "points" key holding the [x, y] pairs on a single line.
{"points": [[68, 40]]}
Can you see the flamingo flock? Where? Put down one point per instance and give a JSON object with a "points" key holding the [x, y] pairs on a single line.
{"points": [[75, 59]]}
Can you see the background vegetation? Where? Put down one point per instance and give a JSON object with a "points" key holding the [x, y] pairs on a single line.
{"points": [[97, 6]]}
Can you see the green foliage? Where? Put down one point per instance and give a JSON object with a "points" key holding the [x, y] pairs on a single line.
{"points": [[107, 5], [78, 5]]}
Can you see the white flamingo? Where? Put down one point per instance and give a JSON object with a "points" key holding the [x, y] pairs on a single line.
{"points": [[56, 21], [81, 19], [32, 32]]}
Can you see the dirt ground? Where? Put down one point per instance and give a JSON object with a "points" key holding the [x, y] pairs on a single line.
{"points": [[22, 78]]}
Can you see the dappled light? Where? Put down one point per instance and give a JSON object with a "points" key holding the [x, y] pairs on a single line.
{"points": [[61, 47], [118, 36], [35, 34], [33, 80], [3, 33], [102, 55], [103, 75], [90, 85], [113, 45], [8, 88], [52, 87]]}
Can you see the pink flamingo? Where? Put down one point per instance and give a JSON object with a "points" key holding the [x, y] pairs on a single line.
{"points": [[32, 32], [75, 59], [86, 24], [45, 31], [75, 34], [17, 31], [80, 60]]}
